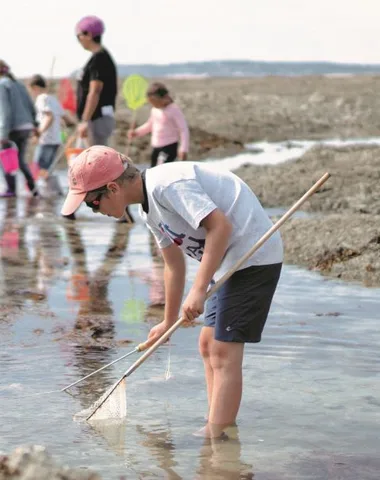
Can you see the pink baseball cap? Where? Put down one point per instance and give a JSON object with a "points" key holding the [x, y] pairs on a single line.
{"points": [[92, 169], [90, 24]]}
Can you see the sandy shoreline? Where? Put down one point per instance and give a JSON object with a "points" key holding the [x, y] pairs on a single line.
{"points": [[278, 108], [341, 238]]}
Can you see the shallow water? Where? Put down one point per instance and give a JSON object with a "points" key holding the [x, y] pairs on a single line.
{"points": [[77, 296], [273, 153], [312, 392]]}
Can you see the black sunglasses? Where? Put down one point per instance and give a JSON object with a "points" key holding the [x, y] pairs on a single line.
{"points": [[95, 204]]}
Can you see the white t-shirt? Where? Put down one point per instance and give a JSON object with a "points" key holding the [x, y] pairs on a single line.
{"points": [[182, 194], [48, 103]]}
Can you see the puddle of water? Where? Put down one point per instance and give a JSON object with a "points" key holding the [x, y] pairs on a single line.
{"points": [[273, 153], [311, 396]]}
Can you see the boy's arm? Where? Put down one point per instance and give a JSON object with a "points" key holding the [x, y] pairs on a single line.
{"points": [[219, 230], [46, 108], [46, 122], [174, 279], [188, 199]]}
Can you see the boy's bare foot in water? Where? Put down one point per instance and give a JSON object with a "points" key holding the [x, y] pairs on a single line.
{"points": [[211, 431]]}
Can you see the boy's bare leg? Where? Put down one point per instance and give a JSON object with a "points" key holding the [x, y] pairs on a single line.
{"points": [[223, 369], [205, 339], [226, 362]]}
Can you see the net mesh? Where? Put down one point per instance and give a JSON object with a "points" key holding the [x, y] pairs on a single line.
{"points": [[112, 405], [168, 373]]}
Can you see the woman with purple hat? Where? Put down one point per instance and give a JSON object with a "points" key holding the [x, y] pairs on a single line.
{"points": [[97, 87], [97, 84]]}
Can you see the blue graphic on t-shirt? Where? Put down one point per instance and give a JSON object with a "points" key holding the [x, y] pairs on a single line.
{"points": [[176, 237], [193, 247]]}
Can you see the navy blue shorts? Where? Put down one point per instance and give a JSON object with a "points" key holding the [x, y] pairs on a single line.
{"points": [[239, 309]]}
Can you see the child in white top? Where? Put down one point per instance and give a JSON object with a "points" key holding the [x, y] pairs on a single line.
{"points": [[215, 218], [49, 116]]}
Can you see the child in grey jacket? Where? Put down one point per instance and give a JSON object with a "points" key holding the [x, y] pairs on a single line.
{"points": [[17, 121]]}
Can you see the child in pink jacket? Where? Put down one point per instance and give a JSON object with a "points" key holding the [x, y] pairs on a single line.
{"points": [[168, 126]]}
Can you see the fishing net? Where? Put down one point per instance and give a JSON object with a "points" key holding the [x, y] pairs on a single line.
{"points": [[112, 405]]}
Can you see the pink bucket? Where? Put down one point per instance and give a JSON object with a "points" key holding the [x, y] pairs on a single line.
{"points": [[9, 159]]}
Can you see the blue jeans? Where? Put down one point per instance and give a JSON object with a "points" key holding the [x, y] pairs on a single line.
{"points": [[20, 138], [45, 155]]}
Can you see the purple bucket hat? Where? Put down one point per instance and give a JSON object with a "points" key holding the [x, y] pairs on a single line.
{"points": [[90, 24]]}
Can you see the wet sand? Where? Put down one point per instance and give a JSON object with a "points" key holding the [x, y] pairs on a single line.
{"points": [[278, 108], [341, 237]]}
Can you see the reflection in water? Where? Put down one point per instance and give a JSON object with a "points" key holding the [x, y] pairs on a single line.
{"points": [[215, 459], [155, 279], [14, 258], [157, 290], [161, 453], [160, 444], [48, 252], [114, 433], [94, 327], [221, 459], [26, 273]]}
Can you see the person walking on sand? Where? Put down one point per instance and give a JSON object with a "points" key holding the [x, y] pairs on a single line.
{"points": [[17, 122], [168, 126], [96, 84], [49, 117], [215, 218]]}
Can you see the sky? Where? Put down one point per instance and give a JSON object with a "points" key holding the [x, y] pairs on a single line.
{"points": [[32, 33]]}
